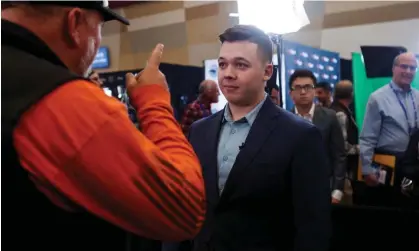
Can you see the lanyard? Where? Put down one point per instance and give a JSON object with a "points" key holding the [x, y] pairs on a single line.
{"points": [[405, 110]]}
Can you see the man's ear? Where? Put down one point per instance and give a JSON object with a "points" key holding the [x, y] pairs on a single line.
{"points": [[73, 20], [268, 71]]}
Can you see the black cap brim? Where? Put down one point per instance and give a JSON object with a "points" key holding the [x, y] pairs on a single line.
{"points": [[99, 6], [109, 15]]}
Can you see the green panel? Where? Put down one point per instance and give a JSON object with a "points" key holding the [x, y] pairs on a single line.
{"points": [[415, 83]]}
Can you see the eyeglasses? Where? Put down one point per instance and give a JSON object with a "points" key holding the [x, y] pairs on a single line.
{"points": [[299, 88], [406, 66]]}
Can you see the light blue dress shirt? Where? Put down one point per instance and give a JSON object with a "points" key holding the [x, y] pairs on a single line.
{"points": [[233, 134], [385, 126]]}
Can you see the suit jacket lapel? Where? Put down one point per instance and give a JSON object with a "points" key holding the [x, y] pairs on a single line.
{"points": [[259, 132], [210, 165]]}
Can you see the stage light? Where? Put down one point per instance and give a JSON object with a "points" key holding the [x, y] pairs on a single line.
{"points": [[273, 16], [276, 18]]}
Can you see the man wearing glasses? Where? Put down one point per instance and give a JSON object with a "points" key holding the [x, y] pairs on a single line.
{"points": [[302, 84], [391, 117]]}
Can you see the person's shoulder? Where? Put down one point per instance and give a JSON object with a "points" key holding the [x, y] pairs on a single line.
{"points": [[327, 111], [378, 99], [292, 130], [76, 110], [79, 94], [289, 120], [375, 96]]}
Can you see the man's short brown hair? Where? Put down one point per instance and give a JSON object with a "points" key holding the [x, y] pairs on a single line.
{"points": [[251, 34]]}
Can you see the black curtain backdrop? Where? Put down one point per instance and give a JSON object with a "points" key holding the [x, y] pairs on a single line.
{"points": [[346, 69], [346, 74], [271, 83], [183, 83], [379, 59]]}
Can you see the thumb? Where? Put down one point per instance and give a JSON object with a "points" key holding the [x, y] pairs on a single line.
{"points": [[155, 57], [129, 79]]}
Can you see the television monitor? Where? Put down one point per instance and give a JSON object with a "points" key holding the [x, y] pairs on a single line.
{"points": [[101, 60]]}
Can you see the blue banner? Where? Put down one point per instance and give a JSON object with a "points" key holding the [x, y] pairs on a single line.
{"points": [[101, 60], [324, 64]]}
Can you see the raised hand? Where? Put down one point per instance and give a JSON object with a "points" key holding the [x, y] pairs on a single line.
{"points": [[150, 74]]}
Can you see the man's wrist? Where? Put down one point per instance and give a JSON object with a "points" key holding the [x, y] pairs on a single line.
{"points": [[147, 95]]}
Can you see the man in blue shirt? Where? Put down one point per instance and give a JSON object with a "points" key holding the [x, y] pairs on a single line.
{"points": [[391, 116]]}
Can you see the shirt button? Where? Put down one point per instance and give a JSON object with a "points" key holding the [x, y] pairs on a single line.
{"points": [[233, 131], [225, 158]]}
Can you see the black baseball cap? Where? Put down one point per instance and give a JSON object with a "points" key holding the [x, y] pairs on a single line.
{"points": [[100, 6]]}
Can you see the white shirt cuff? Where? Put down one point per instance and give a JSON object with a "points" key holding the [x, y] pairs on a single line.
{"points": [[337, 195]]}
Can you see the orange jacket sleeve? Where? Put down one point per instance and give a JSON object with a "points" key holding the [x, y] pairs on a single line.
{"points": [[79, 145]]}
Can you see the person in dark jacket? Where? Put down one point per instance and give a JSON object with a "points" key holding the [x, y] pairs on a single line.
{"points": [[302, 83], [343, 97]]}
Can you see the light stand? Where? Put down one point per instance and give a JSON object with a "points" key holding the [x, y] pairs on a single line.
{"points": [[277, 40]]}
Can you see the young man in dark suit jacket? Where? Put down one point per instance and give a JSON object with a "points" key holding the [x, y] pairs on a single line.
{"points": [[265, 169], [302, 84]]}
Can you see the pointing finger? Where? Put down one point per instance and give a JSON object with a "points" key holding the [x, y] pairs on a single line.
{"points": [[155, 57]]}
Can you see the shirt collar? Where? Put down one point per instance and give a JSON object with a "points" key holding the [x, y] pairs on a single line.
{"points": [[249, 118], [398, 89], [311, 112]]}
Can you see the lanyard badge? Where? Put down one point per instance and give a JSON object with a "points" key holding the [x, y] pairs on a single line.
{"points": [[404, 108]]}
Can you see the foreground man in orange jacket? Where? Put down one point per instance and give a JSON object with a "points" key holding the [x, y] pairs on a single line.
{"points": [[77, 173]]}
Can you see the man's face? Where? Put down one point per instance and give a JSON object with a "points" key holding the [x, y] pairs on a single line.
{"points": [[242, 73], [404, 70], [212, 92], [302, 91], [84, 29], [322, 95]]}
